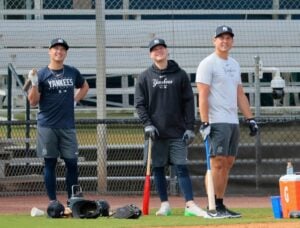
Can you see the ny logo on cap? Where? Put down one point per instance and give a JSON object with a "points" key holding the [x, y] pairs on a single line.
{"points": [[225, 29], [60, 41], [156, 41]]}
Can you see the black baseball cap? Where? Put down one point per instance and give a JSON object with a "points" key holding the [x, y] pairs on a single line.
{"points": [[59, 41], [156, 41], [223, 29]]}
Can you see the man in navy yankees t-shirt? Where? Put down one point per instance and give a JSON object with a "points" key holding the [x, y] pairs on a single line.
{"points": [[52, 88]]}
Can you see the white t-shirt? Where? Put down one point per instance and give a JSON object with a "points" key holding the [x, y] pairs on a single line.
{"points": [[223, 76]]}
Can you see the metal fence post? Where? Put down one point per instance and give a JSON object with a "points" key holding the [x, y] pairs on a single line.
{"points": [[9, 102], [101, 96], [257, 74]]}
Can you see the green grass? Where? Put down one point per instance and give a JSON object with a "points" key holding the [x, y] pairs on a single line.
{"points": [[253, 215]]}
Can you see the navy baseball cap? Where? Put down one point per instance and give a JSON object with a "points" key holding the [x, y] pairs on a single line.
{"points": [[223, 29], [59, 41], [156, 41]]}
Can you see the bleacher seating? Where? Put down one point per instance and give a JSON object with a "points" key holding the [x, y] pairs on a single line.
{"points": [[24, 43]]}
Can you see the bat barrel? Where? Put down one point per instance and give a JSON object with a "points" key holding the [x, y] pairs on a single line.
{"points": [[147, 185]]}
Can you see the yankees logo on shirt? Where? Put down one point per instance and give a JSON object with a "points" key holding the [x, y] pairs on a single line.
{"points": [[162, 84], [61, 85]]}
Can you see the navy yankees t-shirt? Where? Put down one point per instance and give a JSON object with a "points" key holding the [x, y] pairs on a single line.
{"points": [[56, 106]]}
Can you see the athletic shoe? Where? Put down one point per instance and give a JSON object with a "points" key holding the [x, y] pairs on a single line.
{"points": [[194, 210], [214, 214], [164, 210], [229, 213]]}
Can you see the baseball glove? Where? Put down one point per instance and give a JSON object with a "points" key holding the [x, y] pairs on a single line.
{"points": [[85, 209], [55, 209], [129, 211]]}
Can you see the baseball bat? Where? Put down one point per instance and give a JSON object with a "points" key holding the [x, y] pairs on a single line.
{"points": [[209, 180], [147, 184]]}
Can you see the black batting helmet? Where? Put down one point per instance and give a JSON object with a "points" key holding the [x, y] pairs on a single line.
{"points": [[55, 209]]}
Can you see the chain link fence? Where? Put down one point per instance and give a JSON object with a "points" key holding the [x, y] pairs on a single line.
{"points": [[215, 4], [111, 151], [111, 158], [155, 4]]}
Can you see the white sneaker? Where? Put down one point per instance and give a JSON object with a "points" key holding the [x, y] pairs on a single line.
{"points": [[194, 210], [164, 210]]}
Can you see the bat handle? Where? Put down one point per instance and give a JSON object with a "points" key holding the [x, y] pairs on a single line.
{"points": [[27, 85], [149, 156]]}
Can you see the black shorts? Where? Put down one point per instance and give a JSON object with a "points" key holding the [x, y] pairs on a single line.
{"points": [[53, 143], [168, 152], [224, 139]]}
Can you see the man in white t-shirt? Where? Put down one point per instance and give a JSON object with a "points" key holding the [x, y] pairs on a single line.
{"points": [[221, 93]]}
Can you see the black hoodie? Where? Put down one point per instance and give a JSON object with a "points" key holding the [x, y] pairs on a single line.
{"points": [[164, 98]]}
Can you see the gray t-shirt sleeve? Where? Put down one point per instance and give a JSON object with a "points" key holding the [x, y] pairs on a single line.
{"points": [[204, 71]]}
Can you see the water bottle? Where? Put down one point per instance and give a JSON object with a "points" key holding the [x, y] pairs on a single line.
{"points": [[289, 168]]}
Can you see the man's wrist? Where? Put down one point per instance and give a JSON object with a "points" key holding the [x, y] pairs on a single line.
{"points": [[34, 83]]}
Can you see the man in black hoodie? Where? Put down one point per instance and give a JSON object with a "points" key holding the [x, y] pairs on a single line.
{"points": [[165, 104]]}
